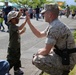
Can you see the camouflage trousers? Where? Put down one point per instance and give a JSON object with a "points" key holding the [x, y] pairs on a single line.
{"points": [[50, 64]]}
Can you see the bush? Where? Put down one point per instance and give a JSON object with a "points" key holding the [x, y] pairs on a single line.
{"points": [[74, 34]]}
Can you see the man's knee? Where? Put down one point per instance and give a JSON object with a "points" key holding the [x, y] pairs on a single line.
{"points": [[38, 59], [39, 62], [35, 60]]}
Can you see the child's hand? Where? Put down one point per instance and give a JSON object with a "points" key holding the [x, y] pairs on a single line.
{"points": [[27, 17], [24, 29]]}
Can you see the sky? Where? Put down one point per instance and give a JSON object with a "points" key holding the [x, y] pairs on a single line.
{"points": [[69, 2]]}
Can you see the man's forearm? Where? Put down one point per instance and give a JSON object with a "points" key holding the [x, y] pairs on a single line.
{"points": [[34, 30], [42, 52]]}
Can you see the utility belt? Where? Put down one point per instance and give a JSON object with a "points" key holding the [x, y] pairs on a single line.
{"points": [[65, 55]]}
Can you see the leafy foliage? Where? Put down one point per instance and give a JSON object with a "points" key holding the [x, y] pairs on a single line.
{"points": [[45, 74], [73, 72], [74, 34], [33, 3], [73, 7]]}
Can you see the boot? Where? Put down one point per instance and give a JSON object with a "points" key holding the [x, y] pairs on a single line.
{"points": [[18, 72]]}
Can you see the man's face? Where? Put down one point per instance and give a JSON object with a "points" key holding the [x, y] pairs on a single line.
{"points": [[47, 16]]}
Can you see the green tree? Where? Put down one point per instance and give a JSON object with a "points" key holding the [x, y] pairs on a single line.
{"points": [[32, 3], [1, 0], [64, 5], [35, 3], [39, 3], [14, 1], [73, 7]]}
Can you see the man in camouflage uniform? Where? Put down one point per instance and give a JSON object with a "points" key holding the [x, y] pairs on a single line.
{"points": [[57, 34]]}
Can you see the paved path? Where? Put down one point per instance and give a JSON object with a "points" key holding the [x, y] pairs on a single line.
{"points": [[30, 44]]}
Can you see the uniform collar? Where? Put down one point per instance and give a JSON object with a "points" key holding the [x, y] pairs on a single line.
{"points": [[53, 22]]}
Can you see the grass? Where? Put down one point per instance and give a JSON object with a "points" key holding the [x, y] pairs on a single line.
{"points": [[46, 74], [73, 72], [74, 34]]}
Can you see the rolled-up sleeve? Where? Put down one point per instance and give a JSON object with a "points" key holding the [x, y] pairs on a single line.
{"points": [[52, 36], [50, 40]]}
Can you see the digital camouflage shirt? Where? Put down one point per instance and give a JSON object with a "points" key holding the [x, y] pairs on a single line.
{"points": [[59, 34]]}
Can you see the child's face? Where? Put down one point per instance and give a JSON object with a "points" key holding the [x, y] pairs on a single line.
{"points": [[15, 20]]}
